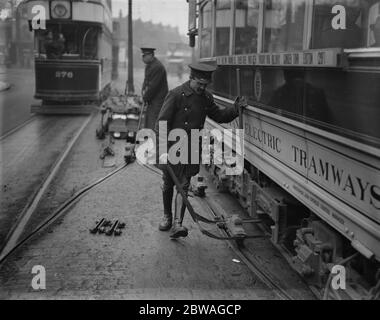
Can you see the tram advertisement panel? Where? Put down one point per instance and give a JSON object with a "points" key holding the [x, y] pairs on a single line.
{"points": [[73, 79], [335, 169]]}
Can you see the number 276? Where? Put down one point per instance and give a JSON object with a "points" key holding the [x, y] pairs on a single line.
{"points": [[64, 74]]}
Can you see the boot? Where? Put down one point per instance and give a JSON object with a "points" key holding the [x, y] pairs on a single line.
{"points": [[166, 222], [178, 230]]}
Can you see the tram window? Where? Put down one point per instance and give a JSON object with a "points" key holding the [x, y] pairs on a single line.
{"points": [[352, 100], [71, 33], [324, 35], [53, 44], [246, 25], [284, 25], [224, 82], [206, 24], [223, 23], [90, 43], [374, 25]]}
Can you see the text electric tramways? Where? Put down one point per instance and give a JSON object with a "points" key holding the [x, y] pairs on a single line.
{"points": [[312, 135], [72, 54]]}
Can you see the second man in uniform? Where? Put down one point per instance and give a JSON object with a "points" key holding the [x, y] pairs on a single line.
{"points": [[155, 86]]}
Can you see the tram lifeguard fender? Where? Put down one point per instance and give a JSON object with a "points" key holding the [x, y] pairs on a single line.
{"points": [[235, 225]]}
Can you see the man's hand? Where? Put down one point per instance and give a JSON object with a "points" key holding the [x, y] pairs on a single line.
{"points": [[241, 102]]}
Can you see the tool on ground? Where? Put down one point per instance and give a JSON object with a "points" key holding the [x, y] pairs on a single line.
{"points": [[130, 153], [101, 131], [98, 225], [233, 224], [121, 225], [107, 151], [104, 226], [111, 230]]}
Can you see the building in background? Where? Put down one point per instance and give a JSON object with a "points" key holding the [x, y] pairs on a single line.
{"points": [[178, 56], [16, 40], [146, 34]]}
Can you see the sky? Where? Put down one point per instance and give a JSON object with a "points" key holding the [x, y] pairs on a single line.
{"points": [[168, 12]]}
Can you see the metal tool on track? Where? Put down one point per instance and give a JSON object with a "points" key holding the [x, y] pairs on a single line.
{"points": [[233, 224]]}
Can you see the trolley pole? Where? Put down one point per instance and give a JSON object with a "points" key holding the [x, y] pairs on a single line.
{"points": [[131, 87]]}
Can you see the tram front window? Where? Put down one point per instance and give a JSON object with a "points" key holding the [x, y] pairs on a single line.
{"points": [[68, 42], [53, 45], [284, 25], [246, 23]]}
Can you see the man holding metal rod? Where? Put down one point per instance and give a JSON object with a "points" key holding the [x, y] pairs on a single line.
{"points": [[186, 107]]}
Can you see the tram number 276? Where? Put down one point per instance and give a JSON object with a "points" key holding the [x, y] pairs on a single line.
{"points": [[64, 74]]}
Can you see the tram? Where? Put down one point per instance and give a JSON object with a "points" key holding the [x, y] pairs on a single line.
{"points": [[311, 129], [73, 53]]}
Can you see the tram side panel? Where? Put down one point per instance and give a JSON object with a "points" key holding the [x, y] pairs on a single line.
{"points": [[333, 175]]}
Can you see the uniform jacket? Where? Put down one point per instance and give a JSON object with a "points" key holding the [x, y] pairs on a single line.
{"points": [[155, 86], [184, 109]]}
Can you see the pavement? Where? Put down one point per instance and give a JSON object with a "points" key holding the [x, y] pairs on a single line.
{"points": [[4, 85], [16, 97]]}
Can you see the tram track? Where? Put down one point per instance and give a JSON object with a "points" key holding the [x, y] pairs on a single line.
{"points": [[8, 133], [244, 255], [11, 242]]}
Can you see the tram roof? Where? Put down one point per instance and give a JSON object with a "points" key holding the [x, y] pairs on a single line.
{"points": [[106, 3], [79, 13]]}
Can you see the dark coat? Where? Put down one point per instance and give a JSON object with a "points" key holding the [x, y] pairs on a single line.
{"points": [[155, 89], [184, 109]]}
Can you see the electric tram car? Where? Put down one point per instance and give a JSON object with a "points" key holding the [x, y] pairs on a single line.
{"points": [[73, 53], [311, 73]]}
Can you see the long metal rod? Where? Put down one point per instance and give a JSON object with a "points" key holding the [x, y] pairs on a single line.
{"points": [[59, 211]]}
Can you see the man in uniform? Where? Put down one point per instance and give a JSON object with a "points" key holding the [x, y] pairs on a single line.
{"points": [[186, 107], [155, 86]]}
